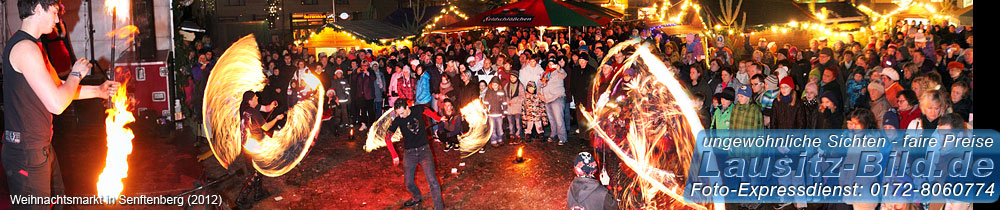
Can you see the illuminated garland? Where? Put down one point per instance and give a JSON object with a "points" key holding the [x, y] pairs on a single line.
{"points": [[446, 11], [401, 40], [272, 13]]}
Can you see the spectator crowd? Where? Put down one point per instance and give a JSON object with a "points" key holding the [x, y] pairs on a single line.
{"points": [[912, 76]]}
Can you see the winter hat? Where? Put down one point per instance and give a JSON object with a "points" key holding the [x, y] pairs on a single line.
{"points": [[892, 46], [584, 165], [815, 73], [782, 72], [792, 51], [745, 90], [891, 73], [729, 94], [771, 82], [826, 51], [830, 96], [787, 81], [877, 85], [920, 38], [890, 118], [630, 72], [955, 64]]}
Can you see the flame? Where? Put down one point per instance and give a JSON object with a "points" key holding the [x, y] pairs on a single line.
{"points": [[119, 146], [239, 70], [252, 146], [519, 151], [656, 112], [311, 81], [479, 131], [469, 142], [127, 32], [119, 8]]}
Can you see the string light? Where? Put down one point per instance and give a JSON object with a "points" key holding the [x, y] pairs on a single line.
{"points": [[451, 10]]}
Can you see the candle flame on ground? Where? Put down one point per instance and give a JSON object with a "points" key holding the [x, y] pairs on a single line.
{"points": [[119, 146]]}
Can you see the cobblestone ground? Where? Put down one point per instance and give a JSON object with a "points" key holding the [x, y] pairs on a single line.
{"points": [[340, 175], [336, 174]]}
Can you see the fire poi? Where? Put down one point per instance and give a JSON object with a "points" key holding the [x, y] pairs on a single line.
{"points": [[469, 142], [239, 69], [651, 128]]}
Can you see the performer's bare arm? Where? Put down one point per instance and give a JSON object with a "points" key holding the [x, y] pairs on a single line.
{"points": [[267, 126], [55, 94]]}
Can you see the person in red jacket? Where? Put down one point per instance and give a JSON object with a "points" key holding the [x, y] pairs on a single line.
{"points": [[907, 102]]}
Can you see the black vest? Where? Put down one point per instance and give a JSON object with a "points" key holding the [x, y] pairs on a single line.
{"points": [[24, 113]]}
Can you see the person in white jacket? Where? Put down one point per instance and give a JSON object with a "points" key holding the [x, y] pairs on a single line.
{"points": [[531, 72], [554, 95]]}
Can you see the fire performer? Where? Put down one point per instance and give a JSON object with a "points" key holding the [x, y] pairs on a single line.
{"points": [[254, 128], [415, 141], [32, 92]]}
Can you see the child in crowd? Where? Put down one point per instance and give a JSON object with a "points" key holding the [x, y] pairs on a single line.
{"points": [[516, 94], [856, 88], [534, 112], [495, 101], [482, 89]]}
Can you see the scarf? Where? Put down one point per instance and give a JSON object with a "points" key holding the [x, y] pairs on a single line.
{"points": [[785, 98], [928, 124], [513, 88]]}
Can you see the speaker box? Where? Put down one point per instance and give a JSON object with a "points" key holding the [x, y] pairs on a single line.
{"points": [[142, 18]]}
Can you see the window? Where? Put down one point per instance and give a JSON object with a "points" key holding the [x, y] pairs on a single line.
{"points": [[341, 2], [310, 2], [236, 2]]}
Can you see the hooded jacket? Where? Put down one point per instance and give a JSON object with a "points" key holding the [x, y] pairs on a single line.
{"points": [[495, 102], [423, 89], [587, 193], [555, 88], [879, 107], [516, 94]]}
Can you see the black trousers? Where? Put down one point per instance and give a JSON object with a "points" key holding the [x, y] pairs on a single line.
{"points": [[33, 172], [366, 112], [355, 108]]}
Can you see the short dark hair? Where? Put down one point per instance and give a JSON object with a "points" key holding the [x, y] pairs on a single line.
{"points": [[910, 96], [954, 120], [865, 117], [26, 8], [399, 104]]}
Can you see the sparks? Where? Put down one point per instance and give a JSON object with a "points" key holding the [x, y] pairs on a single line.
{"points": [[119, 144], [650, 128], [239, 70], [118, 8], [469, 142]]}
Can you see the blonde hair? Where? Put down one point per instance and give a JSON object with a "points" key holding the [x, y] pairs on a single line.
{"points": [[923, 84], [935, 96]]}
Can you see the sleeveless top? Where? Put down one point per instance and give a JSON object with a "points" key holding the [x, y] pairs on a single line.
{"points": [[28, 124]]}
